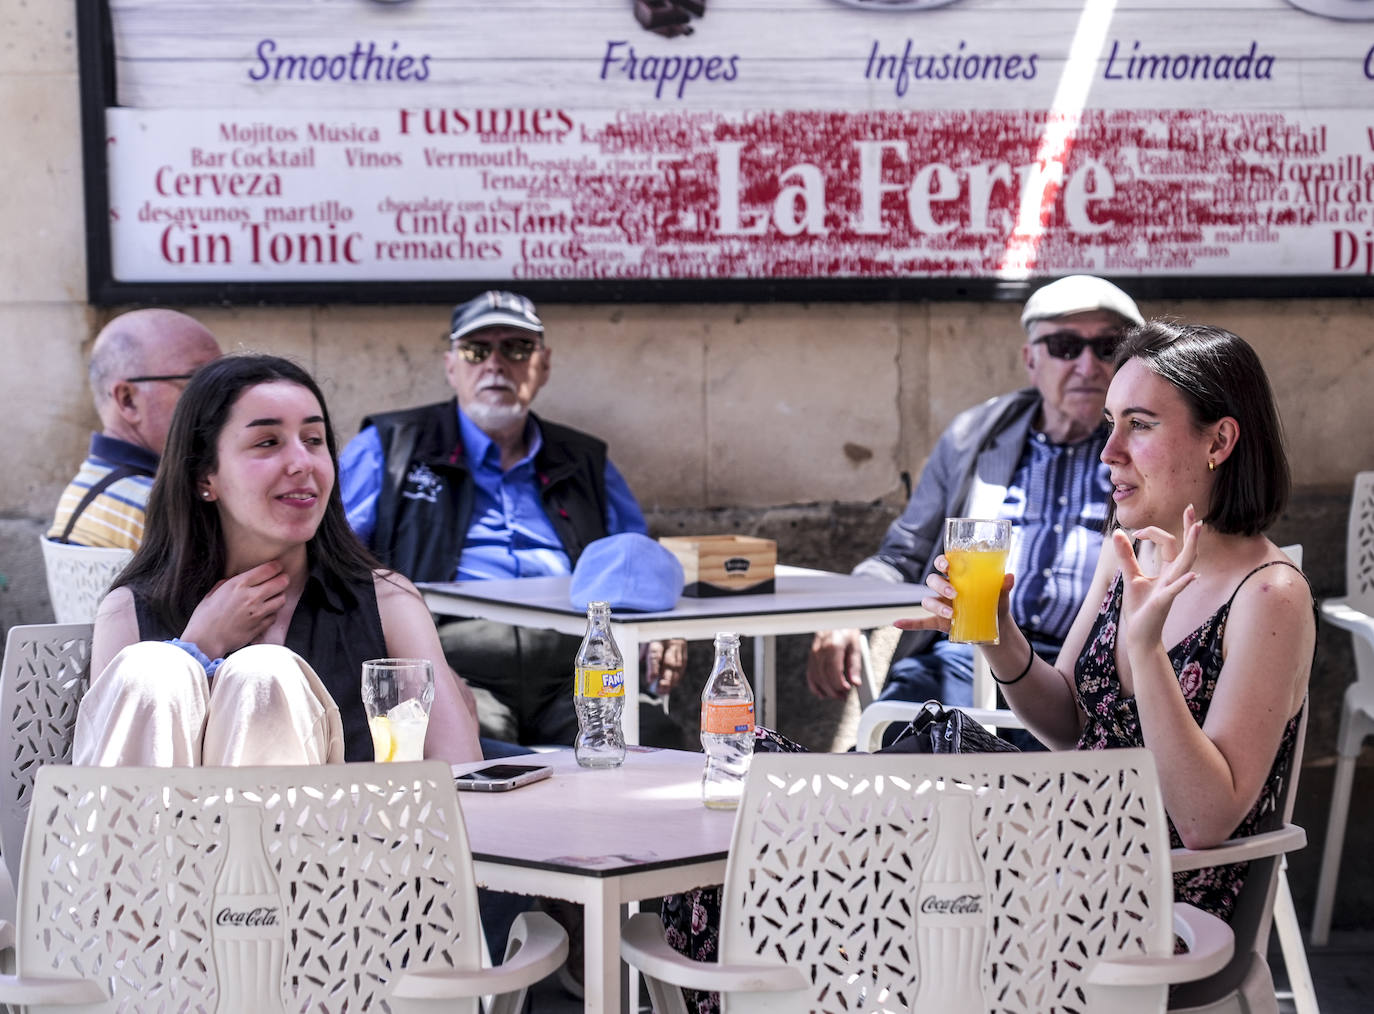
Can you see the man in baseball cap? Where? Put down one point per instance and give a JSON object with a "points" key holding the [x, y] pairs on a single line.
{"points": [[1032, 457], [494, 309], [479, 487]]}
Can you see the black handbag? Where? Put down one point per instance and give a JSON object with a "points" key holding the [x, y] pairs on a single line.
{"points": [[937, 729]]}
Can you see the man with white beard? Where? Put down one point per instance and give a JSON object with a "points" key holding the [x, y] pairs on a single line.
{"points": [[480, 487]]}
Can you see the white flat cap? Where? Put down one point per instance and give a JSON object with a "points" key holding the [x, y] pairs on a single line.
{"points": [[1078, 294]]}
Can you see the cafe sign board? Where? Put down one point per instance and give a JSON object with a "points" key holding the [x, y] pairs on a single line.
{"points": [[706, 149]]}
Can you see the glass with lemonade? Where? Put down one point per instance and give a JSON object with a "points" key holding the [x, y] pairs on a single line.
{"points": [[397, 694], [977, 550]]}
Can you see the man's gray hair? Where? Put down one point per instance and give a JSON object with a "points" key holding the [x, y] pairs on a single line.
{"points": [[118, 354]]}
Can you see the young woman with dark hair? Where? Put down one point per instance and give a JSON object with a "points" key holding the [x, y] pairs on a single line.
{"points": [[1193, 429], [1196, 637], [249, 573]]}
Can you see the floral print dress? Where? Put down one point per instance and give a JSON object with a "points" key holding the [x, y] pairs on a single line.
{"points": [[1113, 721]]}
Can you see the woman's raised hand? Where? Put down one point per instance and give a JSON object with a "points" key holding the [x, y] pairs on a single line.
{"points": [[1146, 600], [238, 610]]}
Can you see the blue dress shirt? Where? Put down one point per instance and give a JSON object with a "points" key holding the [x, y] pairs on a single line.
{"points": [[509, 534], [1056, 534]]}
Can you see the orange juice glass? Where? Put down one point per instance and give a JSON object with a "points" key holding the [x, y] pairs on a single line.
{"points": [[977, 553]]}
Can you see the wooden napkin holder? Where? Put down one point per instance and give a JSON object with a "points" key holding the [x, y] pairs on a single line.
{"points": [[717, 565]]}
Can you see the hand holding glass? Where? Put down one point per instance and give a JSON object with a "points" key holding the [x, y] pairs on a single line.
{"points": [[977, 554], [397, 694]]}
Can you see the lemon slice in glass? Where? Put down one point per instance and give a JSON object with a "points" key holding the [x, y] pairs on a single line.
{"points": [[383, 742]]}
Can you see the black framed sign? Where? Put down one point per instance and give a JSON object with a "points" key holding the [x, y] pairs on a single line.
{"points": [[339, 150]]}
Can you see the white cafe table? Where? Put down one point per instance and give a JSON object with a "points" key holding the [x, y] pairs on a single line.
{"points": [[551, 838], [803, 602]]}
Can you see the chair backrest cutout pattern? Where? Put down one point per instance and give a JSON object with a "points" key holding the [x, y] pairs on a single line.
{"points": [[45, 674], [79, 576], [963, 884], [204, 889]]}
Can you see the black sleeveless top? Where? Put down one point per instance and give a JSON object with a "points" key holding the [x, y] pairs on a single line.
{"points": [[1113, 721], [336, 627]]}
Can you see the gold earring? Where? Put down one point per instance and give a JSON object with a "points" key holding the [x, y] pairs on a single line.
{"points": [[1211, 465]]}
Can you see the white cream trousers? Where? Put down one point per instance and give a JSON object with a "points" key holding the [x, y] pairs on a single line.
{"points": [[153, 706]]}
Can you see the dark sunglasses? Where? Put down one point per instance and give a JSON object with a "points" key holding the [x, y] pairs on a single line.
{"points": [[157, 376], [1067, 345], [515, 350]]}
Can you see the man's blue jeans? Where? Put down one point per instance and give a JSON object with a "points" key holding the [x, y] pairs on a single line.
{"points": [[943, 672]]}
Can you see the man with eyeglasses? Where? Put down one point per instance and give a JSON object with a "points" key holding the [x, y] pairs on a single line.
{"points": [[140, 362], [1031, 457], [479, 487]]}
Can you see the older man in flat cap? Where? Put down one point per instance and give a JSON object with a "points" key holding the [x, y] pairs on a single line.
{"points": [[1031, 457]]}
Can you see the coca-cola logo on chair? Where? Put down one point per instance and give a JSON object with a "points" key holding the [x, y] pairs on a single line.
{"points": [[961, 904], [260, 916]]}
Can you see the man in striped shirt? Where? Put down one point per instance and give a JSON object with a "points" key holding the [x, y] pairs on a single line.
{"points": [[139, 363], [1031, 457]]}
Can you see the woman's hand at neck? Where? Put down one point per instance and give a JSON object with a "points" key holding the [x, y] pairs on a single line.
{"points": [[294, 563], [243, 607]]}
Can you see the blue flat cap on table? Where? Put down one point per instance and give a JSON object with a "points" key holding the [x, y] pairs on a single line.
{"points": [[629, 571]]}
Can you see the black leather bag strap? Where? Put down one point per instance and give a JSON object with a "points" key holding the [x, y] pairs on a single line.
{"points": [[938, 729], [105, 481]]}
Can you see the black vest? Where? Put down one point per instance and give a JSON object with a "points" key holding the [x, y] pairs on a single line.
{"points": [[425, 504]]}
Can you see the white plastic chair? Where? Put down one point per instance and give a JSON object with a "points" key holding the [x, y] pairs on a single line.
{"points": [[42, 679], [1266, 897], [339, 887], [79, 576], [1355, 613], [951, 883]]}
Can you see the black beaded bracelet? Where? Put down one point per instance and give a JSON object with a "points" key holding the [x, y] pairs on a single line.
{"points": [[1019, 676]]}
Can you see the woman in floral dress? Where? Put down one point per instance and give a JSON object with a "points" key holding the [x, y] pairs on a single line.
{"points": [[1198, 474], [1196, 637]]}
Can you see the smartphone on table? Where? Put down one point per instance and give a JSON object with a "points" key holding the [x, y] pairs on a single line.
{"points": [[501, 777]]}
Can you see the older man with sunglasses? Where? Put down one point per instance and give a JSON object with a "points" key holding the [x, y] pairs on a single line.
{"points": [[479, 487], [139, 363], [1030, 457]]}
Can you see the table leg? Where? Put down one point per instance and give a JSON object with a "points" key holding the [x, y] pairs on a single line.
{"points": [[630, 1004], [766, 679], [601, 956], [627, 640]]}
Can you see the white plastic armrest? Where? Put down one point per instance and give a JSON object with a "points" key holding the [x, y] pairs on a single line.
{"points": [[877, 717], [20, 990], [643, 946], [544, 948], [1210, 945], [1288, 838], [999, 718], [1339, 614]]}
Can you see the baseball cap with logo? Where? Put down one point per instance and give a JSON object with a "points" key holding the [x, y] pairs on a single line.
{"points": [[1078, 294], [495, 308]]}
